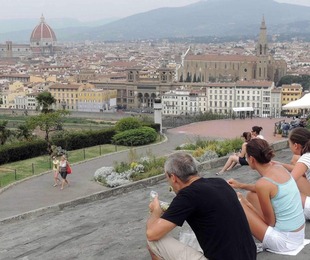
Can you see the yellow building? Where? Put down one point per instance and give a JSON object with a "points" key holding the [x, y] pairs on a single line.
{"points": [[66, 95], [290, 93], [8, 96], [96, 100], [41, 79]]}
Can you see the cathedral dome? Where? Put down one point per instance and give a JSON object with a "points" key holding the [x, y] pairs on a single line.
{"points": [[43, 39], [43, 32]]}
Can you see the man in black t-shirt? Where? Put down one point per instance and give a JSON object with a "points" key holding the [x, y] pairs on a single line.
{"points": [[211, 208]]}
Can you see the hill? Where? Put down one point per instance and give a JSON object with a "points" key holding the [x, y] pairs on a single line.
{"points": [[206, 18]]}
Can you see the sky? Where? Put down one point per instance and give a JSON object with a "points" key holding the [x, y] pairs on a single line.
{"points": [[90, 10]]}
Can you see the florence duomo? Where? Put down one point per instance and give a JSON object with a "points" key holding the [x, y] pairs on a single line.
{"points": [[43, 42]]}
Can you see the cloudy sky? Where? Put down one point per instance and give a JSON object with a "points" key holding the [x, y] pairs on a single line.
{"points": [[88, 10]]}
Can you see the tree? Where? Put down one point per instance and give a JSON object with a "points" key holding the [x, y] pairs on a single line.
{"points": [[24, 131], [5, 133], [45, 101], [48, 122]]}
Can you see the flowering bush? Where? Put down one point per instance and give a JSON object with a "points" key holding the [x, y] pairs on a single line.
{"points": [[144, 168], [110, 178]]}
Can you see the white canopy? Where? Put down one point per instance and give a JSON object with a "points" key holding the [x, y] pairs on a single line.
{"points": [[301, 103], [241, 109]]}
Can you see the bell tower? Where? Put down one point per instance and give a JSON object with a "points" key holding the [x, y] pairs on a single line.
{"points": [[262, 53], [262, 44]]}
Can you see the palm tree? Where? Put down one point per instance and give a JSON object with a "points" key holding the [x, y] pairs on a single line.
{"points": [[4, 132]]}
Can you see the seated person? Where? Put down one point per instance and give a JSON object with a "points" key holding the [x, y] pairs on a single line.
{"points": [[289, 166], [211, 208], [273, 204], [256, 132], [236, 158], [299, 142]]}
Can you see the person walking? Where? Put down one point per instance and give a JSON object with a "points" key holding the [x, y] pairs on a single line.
{"points": [[63, 164], [211, 208], [56, 170], [273, 204]]}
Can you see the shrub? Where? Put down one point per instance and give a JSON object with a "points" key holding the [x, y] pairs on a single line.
{"points": [[22, 150], [134, 137], [123, 173], [127, 123], [80, 139], [207, 156], [198, 152], [211, 149]]}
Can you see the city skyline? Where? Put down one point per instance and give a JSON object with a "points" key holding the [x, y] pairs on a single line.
{"points": [[96, 9]]}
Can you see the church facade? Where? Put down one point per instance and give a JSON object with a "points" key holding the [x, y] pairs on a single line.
{"points": [[231, 68]]}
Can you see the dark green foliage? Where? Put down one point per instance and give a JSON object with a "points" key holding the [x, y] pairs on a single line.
{"points": [[121, 167], [127, 123], [156, 127], [77, 140], [22, 150], [5, 133], [303, 80], [45, 101], [221, 148], [134, 137]]}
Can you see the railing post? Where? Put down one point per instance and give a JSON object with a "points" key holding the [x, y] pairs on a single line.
{"points": [[15, 175], [84, 153], [32, 169]]}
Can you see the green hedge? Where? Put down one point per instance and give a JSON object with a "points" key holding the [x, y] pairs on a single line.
{"points": [[127, 123], [134, 137], [81, 139], [22, 150], [155, 126]]}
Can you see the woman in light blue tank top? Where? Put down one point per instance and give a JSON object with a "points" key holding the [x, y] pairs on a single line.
{"points": [[273, 204]]}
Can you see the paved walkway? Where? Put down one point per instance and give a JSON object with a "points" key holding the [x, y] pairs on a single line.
{"points": [[39, 192], [111, 228]]}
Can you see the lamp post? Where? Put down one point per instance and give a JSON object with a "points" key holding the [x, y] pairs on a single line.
{"points": [[63, 103], [157, 112]]}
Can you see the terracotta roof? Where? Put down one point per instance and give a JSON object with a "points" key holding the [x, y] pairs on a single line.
{"points": [[221, 58], [255, 83], [65, 86], [42, 31]]}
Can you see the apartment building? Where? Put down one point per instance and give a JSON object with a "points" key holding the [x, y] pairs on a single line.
{"points": [[8, 95], [290, 93], [27, 102], [224, 98], [66, 95], [96, 100], [184, 102]]}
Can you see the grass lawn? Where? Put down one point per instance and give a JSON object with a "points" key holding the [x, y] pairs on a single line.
{"points": [[12, 172]]}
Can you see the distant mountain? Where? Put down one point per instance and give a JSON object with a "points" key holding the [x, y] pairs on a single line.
{"points": [[206, 18], [19, 30], [213, 17]]}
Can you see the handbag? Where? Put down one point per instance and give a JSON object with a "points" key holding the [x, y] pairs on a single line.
{"points": [[68, 168]]}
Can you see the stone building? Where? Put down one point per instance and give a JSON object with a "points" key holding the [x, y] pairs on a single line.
{"points": [[231, 68], [137, 93]]}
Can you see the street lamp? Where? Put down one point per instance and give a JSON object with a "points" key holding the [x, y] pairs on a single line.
{"points": [[63, 103]]}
